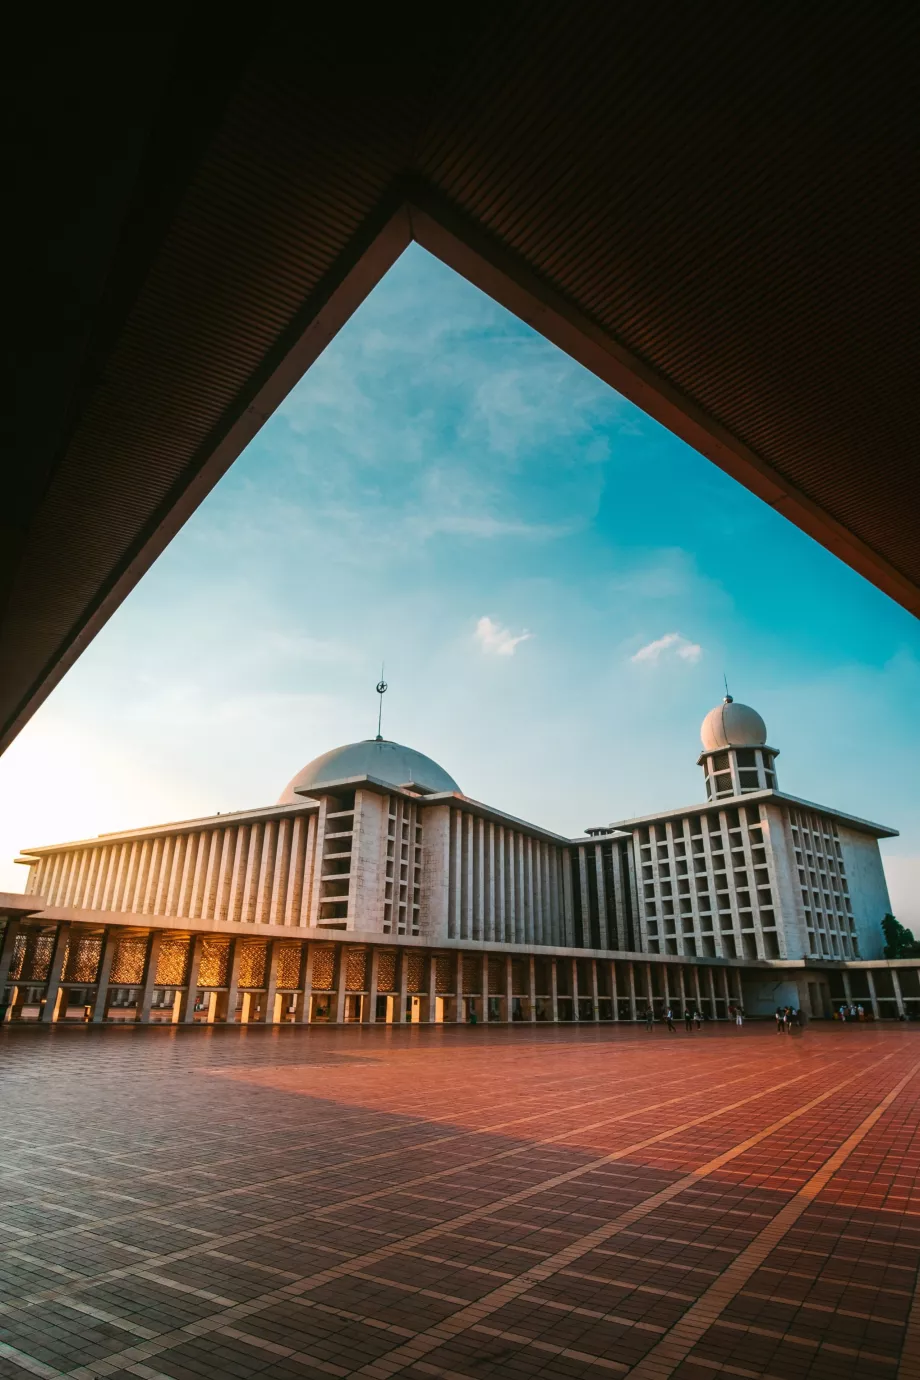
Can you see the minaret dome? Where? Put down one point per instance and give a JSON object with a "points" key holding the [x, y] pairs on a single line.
{"points": [[735, 758]]}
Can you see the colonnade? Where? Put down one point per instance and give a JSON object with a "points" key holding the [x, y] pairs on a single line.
{"points": [[71, 973]]}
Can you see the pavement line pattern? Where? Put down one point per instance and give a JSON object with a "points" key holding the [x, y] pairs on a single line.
{"points": [[667, 1354], [65, 1291], [475, 1313], [359, 1263], [309, 1213]]}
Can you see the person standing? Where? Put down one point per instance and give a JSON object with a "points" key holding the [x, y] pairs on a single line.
{"points": [[688, 1019], [669, 1017], [649, 1017], [739, 1016], [697, 1018], [780, 1020]]}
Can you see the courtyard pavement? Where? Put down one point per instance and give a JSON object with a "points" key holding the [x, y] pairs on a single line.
{"points": [[460, 1202]]}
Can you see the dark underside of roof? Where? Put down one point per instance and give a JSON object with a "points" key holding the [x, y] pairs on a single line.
{"points": [[713, 206]]}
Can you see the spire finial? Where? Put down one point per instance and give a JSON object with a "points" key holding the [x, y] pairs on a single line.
{"points": [[381, 691], [728, 698]]}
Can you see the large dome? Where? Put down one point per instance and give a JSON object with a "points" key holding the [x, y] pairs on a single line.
{"points": [[732, 725], [389, 762]]}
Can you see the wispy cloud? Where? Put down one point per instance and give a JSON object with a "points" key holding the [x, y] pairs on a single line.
{"points": [[672, 642], [496, 640]]}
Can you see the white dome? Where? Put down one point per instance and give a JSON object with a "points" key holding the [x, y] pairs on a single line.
{"points": [[389, 762], [732, 725]]}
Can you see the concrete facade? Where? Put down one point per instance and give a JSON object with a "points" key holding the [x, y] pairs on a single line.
{"points": [[383, 868]]}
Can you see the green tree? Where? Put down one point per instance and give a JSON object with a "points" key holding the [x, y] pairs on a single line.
{"points": [[899, 940]]}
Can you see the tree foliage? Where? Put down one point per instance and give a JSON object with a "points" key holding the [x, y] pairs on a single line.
{"points": [[899, 940]]}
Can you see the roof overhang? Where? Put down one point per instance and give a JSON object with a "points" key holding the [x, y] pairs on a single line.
{"points": [[201, 211]]}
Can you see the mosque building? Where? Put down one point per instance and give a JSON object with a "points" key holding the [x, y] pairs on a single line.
{"points": [[374, 889]]}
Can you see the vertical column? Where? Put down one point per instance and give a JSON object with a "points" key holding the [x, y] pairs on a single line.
{"points": [[895, 982], [10, 934], [403, 985], [227, 1005], [682, 984], [432, 988], [614, 994], [150, 977], [725, 990], [485, 987], [272, 1014], [649, 989], [554, 990], [458, 988], [740, 996], [187, 1000], [341, 975], [631, 970], [712, 993], [532, 986], [107, 958], [873, 996], [370, 1015], [306, 997], [576, 1015], [55, 973], [847, 989], [509, 990], [595, 1002]]}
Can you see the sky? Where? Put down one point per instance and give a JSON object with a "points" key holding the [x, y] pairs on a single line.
{"points": [[555, 584]]}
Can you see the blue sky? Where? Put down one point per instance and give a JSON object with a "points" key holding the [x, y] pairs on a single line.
{"points": [[447, 492]]}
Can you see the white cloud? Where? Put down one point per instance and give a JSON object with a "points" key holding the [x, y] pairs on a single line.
{"points": [[496, 640], [676, 642]]}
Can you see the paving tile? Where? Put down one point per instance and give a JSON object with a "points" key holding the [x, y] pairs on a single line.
{"points": [[556, 1203]]}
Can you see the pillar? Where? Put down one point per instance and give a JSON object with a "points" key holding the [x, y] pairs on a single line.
{"points": [[725, 990], [226, 1007], [55, 973], [712, 993], [575, 1012], [631, 974], [458, 988], [649, 989], [370, 1015], [103, 973], [272, 1013], [682, 984], [306, 996], [432, 988], [341, 973], [872, 995], [485, 987], [847, 989], [595, 1000], [614, 994], [554, 990], [150, 977], [896, 984], [189, 996], [509, 989], [403, 985], [532, 986], [10, 934]]}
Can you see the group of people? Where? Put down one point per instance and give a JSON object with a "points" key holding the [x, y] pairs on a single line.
{"points": [[787, 1019], [692, 1018], [853, 1012]]}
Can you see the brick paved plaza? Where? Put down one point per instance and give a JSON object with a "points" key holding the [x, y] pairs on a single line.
{"points": [[459, 1202]]}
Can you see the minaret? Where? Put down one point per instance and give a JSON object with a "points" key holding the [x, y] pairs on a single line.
{"points": [[735, 757]]}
